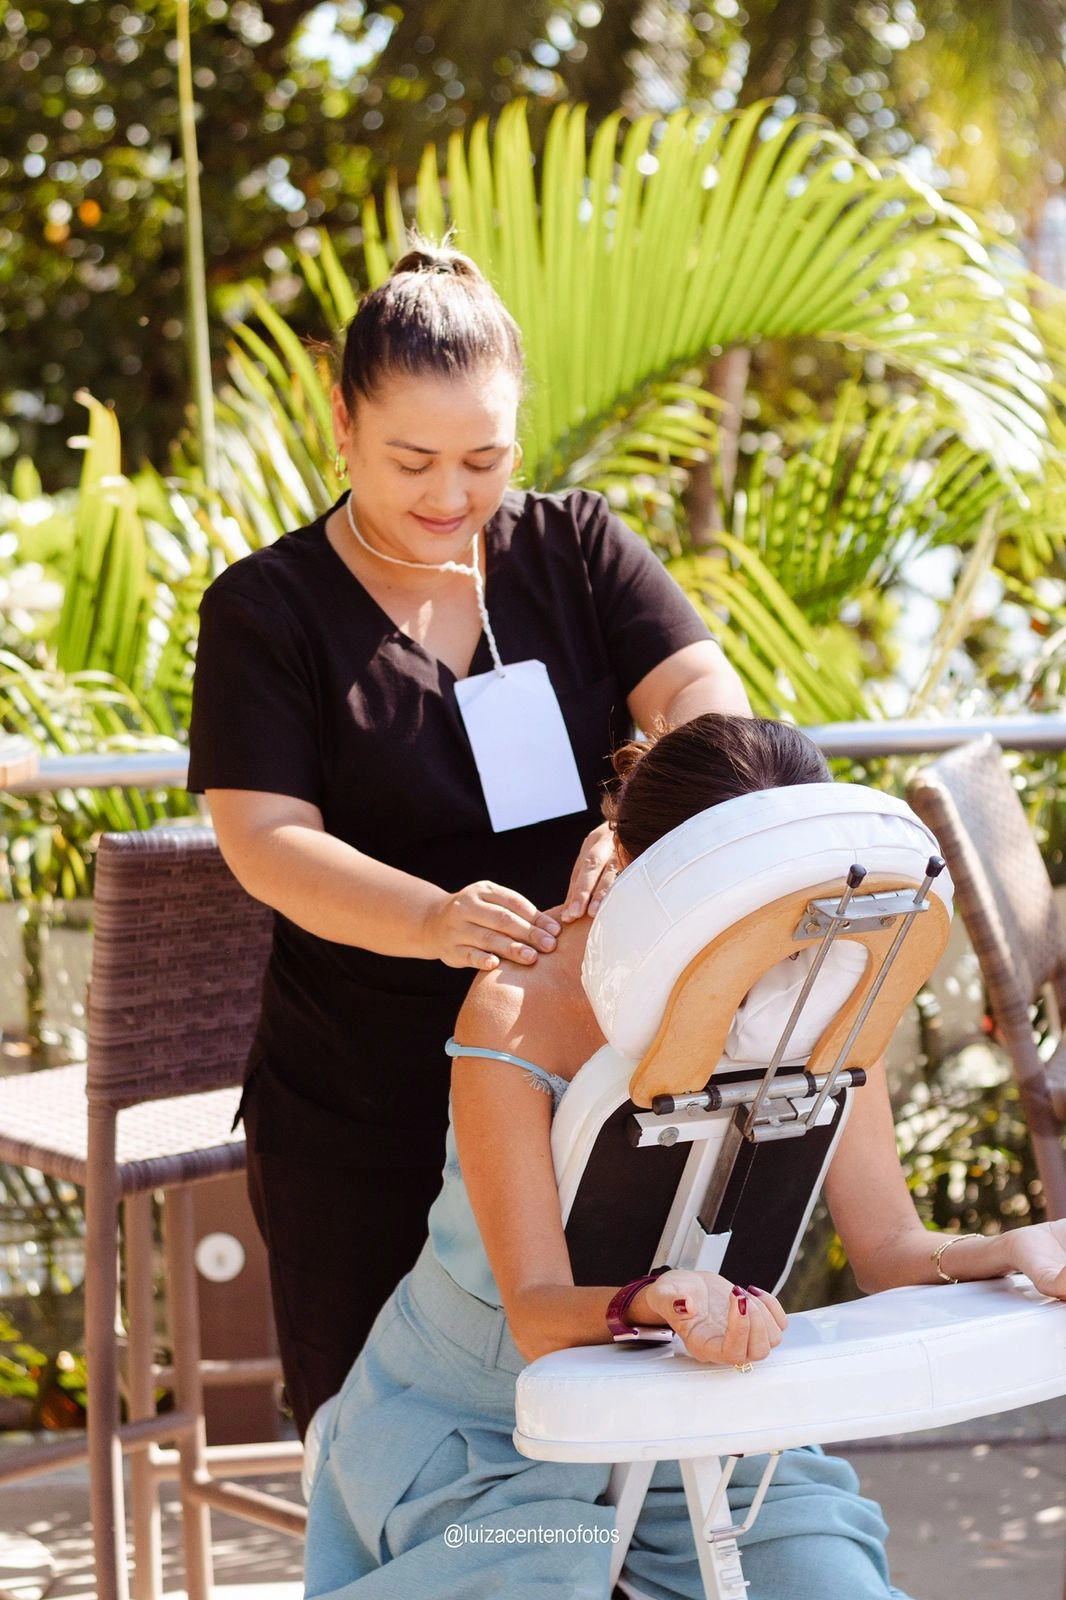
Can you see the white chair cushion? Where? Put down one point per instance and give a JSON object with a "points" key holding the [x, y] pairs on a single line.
{"points": [[762, 1013], [597, 1089], [719, 866], [892, 1363]]}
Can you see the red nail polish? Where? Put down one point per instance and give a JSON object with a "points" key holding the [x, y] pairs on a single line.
{"points": [[681, 1307], [738, 1292], [756, 1292], [743, 1306]]}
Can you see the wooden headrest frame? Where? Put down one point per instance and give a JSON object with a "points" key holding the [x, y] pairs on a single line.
{"points": [[699, 1014]]}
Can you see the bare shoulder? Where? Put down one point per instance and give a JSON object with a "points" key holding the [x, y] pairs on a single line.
{"points": [[539, 1012], [492, 1007]]}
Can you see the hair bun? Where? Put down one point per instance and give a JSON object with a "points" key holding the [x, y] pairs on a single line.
{"points": [[426, 257], [628, 756], [436, 315]]}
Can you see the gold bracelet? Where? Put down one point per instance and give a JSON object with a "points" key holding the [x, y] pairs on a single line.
{"points": [[945, 1244]]}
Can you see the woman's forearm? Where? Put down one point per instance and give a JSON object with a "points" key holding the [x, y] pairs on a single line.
{"points": [[874, 1213], [278, 849], [695, 679], [556, 1316], [908, 1259], [717, 1321], [334, 891]]}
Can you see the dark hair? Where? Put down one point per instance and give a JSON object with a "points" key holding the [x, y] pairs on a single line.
{"points": [[713, 758], [436, 315]]}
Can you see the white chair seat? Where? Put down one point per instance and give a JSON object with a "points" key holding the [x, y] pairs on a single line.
{"points": [[896, 1362]]}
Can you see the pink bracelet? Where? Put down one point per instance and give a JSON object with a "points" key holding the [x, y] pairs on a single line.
{"points": [[617, 1326]]}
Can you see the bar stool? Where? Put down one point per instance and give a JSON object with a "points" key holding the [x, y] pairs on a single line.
{"points": [[178, 959]]}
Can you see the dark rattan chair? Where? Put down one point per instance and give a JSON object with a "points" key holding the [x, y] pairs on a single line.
{"points": [[178, 958], [1005, 897]]}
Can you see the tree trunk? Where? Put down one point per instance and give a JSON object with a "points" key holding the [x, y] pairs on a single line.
{"points": [[727, 377]]}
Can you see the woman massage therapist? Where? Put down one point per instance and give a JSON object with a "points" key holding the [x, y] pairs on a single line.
{"points": [[343, 775], [420, 1440]]}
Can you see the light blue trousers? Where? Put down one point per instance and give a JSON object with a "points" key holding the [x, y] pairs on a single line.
{"points": [[420, 1492]]}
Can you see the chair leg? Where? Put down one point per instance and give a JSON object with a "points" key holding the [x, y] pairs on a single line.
{"points": [[140, 1395], [626, 1491], [179, 1236], [101, 1293], [705, 1480]]}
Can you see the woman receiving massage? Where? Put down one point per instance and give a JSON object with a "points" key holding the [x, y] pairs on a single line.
{"points": [[420, 1440]]}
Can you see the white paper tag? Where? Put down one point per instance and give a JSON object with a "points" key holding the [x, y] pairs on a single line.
{"points": [[522, 749]]}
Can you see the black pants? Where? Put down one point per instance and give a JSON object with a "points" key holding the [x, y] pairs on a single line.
{"points": [[339, 1239]]}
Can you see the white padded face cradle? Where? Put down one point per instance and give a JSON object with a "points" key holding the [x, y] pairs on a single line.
{"points": [[718, 867]]}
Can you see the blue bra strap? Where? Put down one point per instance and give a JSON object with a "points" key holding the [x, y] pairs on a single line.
{"points": [[453, 1049]]}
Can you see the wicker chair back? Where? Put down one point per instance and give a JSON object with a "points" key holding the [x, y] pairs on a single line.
{"points": [[179, 954], [1003, 892], [1006, 901]]}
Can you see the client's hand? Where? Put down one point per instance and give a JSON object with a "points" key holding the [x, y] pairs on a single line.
{"points": [[1040, 1252], [717, 1320]]}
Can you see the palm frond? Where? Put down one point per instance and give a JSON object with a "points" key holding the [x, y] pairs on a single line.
{"points": [[108, 597], [630, 265], [625, 265], [957, 617], [861, 497], [787, 669], [639, 460]]}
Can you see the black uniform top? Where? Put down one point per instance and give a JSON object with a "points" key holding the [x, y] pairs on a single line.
{"points": [[305, 687]]}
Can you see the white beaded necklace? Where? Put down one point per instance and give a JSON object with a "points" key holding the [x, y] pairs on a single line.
{"points": [[471, 571]]}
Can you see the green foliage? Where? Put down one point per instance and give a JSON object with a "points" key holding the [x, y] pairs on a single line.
{"points": [[735, 231], [106, 598], [303, 109], [107, 671], [742, 230], [69, 714], [785, 666], [965, 1148], [41, 1224], [20, 1369], [295, 125], [862, 496], [55, 1386], [969, 92]]}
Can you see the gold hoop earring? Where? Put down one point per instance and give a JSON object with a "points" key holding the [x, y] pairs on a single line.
{"points": [[340, 466]]}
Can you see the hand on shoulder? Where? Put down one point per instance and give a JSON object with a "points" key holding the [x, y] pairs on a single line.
{"points": [[484, 924]]}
